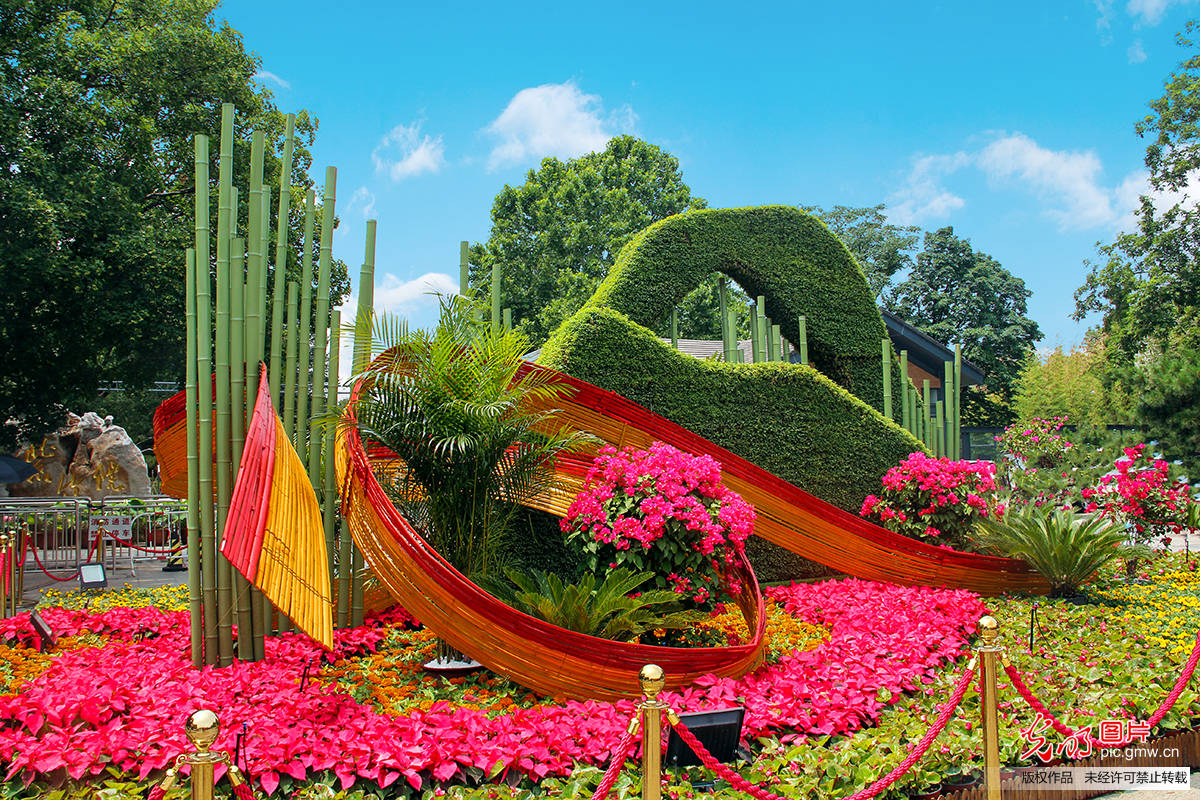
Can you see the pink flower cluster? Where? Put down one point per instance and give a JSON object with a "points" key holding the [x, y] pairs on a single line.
{"points": [[935, 498], [665, 511], [1036, 444], [1141, 492], [121, 706]]}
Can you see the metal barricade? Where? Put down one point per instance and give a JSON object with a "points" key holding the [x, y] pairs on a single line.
{"points": [[136, 529], [54, 528]]}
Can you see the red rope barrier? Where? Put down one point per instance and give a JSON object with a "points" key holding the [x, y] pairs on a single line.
{"points": [[1058, 725], [156, 793], [618, 760], [31, 548], [242, 791], [738, 782]]}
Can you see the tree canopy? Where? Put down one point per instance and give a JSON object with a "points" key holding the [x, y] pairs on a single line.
{"points": [[98, 103], [957, 294], [1068, 382], [556, 236], [881, 249]]}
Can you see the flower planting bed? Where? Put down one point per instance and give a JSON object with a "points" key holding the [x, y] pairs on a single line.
{"points": [[855, 674]]}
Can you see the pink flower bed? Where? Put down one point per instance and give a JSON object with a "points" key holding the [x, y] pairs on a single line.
{"points": [[122, 705]]}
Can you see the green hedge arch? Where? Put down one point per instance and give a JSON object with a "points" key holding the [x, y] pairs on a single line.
{"points": [[787, 256], [819, 428]]}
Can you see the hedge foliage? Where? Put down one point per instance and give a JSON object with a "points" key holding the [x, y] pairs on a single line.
{"points": [[779, 252], [788, 419]]}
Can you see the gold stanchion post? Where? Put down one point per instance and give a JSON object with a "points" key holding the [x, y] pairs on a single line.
{"points": [[652, 680], [989, 654], [4, 579], [202, 728]]}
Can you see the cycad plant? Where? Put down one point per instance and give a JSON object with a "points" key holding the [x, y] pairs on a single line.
{"points": [[1067, 548], [605, 609], [449, 403]]}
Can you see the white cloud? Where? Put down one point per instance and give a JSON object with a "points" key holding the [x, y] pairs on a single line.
{"points": [[403, 152], [554, 119], [1068, 180], [1150, 12], [363, 199], [1136, 53], [1069, 184], [1104, 21], [923, 197], [262, 76]]}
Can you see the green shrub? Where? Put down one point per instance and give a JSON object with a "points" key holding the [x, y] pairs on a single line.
{"points": [[1065, 547], [602, 608], [788, 419]]}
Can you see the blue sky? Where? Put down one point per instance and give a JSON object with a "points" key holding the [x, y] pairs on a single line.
{"points": [[1011, 121]]}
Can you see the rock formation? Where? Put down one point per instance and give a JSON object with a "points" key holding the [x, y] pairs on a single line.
{"points": [[90, 457]]}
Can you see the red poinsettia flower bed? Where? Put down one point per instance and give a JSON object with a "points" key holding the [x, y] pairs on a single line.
{"points": [[121, 705]]}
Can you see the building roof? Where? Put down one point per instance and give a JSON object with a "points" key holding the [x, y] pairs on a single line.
{"points": [[926, 352]]}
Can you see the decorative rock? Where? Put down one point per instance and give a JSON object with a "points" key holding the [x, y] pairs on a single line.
{"points": [[90, 457]]}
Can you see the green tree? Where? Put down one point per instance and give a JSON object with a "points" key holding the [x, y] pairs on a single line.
{"points": [[882, 250], [1147, 283], [449, 403], [1168, 384], [556, 236], [1069, 383], [98, 102], [959, 295]]}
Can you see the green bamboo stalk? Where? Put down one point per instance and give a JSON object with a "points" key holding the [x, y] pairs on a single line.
{"points": [[260, 287], [300, 434], [734, 354], [254, 264], [495, 294], [207, 563], [366, 303], [224, 471], [803, 340], [464, 278], [763, 330], [507, 316], [321, 323], [776, 350], [886, 352], [356, 590], [195, 606], [675, 328], [329, 509], [723, 310], [293, 352], [941, 428], [237, 345], [753, 333], [345, 564], [281, 252], [906, 412], [957, 401], [925, 424], [948, 395]]}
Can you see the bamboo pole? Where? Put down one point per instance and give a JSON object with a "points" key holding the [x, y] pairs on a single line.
{"points": [[224, 472], [675, 328], [762, 329], [948, 394], [958, 401], [195, 606], [940, 405], [260, 288], [886, 354], [281, 253], [345, 562], [207, 563], [329, 508], [925, 424], [754, 333], [293, 352], [803, 341], [507, 319], [495, 294], [254, 263], [321, 323], [356, 587], [905, 383], [776, 351], [366, 306], [464, 278], [734, 355], [723, 310], [237, 346], [300, 434]]}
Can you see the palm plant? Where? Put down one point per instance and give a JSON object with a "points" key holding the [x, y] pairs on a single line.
{"points": [[606, 610], [1067, 548], [449, 403]]}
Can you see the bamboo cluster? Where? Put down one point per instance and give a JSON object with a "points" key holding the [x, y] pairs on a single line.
{"points": [[936, 423], [235, 284]]}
